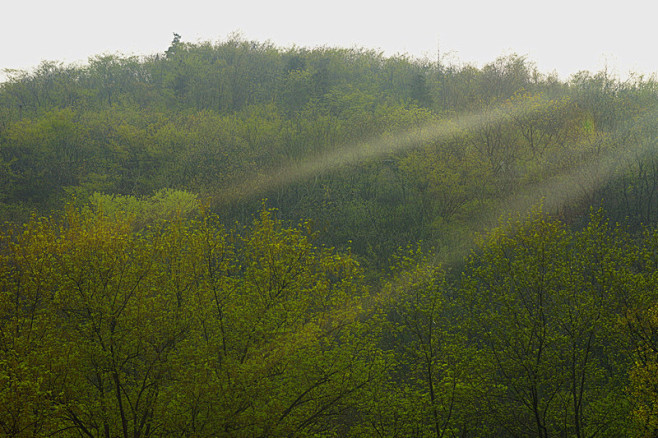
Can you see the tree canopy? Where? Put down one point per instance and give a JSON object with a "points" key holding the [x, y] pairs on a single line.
{"points": [[237, 239]]}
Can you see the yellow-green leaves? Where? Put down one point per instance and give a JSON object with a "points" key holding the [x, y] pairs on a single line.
{"points": [[179, 329], [542, 300]]}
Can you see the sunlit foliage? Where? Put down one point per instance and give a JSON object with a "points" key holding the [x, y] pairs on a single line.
{"points": [[147, 290]]}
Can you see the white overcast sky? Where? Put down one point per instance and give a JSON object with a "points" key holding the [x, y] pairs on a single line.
{"points": [[562, 36]]}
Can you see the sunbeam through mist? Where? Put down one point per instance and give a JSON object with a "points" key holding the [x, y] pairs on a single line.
{"points": [[235, 239], [352, 154]]}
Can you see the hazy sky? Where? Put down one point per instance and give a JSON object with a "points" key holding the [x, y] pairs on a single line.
{"points": [[558, 35]]}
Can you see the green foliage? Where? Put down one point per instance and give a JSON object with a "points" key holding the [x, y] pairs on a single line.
{"points": [[429, 391], [178, 330], [543, 307], [207, 117], [165, 205], [643, 373], [138, 314]]}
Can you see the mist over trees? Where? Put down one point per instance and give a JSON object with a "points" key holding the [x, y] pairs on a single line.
{"points": [[237, 239]]}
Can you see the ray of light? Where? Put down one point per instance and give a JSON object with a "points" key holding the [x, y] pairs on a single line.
{"points": [[258, 184], [574, 183], [581, 179]]}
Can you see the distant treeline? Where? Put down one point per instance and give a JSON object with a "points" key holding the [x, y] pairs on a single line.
{"points": [[205, 117]]}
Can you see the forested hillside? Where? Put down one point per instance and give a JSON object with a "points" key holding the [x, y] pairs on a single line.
{"points": [[235, 239]]}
